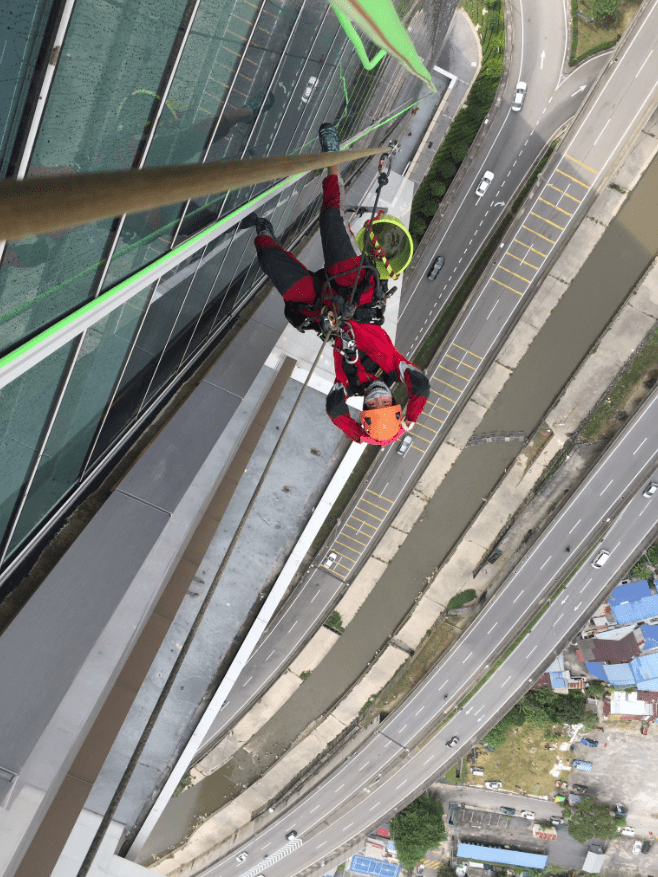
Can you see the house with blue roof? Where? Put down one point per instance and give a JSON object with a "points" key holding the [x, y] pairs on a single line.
{"points": [[640, 673], [650, 634], [633, 602], [499, 856]]}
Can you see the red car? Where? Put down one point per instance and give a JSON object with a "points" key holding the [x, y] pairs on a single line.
{"points": [[644, 730]]}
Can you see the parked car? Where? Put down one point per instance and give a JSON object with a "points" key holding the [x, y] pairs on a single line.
{"points": [[621, 810], [637, 848], [437, 265], [330, 559], [527, 814], [519, 96], [493, 784], [627, 831], [404, 445], [577, 764], [241, 856], [579, 790], [453, 741], [484, 184], [600, 559], [588, 741], [477, 771], [650, 489], [508, 811], [291, 835], [556, 820], [646, 846]]}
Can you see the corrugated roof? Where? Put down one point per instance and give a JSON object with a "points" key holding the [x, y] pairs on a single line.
{"points": [[620, 674], [650, 632], [596, 668], [499, 856], [638, 610], [629, 593], [645, 668], [366, 865], [616, 651], [559, 680], [557, 666], [593, 863]]}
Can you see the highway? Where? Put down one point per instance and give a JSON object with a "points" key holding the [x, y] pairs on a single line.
{"points": [[536, 234], [386, 772]]}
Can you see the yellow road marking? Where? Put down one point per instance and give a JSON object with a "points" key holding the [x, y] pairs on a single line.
{"points": [[460, 361], [347, 536], [569, 177], [563, 192], [450, 372], [331, 569], [423, 439], [443, 397], [416, 448], [349, 548], [364, 512], [348, 568], [374, 505], [425, 426], [251, 62], [539, 235], [368, 490], [586, 166], [363, 524], [506, 286], [236, 35], [543, 219], [466, 351], [438, 419], [528, 247], [231, 52], [522, 261], [520, 276], [556, 207]]}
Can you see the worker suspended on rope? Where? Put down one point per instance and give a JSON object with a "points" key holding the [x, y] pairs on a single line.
{"points": [[350, 310], [306, 293]]}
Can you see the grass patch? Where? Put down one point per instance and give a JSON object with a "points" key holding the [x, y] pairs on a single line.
{"points": [[451, 775], [461, 599], [439, 640], [636, 381], [520, 769], [304, 675], [588, 37], [335, 622]]}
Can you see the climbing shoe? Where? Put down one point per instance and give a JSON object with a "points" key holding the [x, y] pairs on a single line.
{"points": [[329, 139], [262, 225], [257, 101]]}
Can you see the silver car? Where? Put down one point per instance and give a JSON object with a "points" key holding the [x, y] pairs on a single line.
{"points": [[519, 97], [485, 182]]}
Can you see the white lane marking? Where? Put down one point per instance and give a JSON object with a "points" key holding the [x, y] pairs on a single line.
{"points": [[643, 510], [248, 680], [365, 765], [314, 596], [431, 758], [489, 631], [315, 808], [638, 447], [557, 619], [419, 711], [606, 487], [492, 309], [576, 608], [518, 595], [270, 655], [507, 680], [290, 631], [546, 561], [403, 727], [574, 526], [601, 132], [467, 657], [531, 651], [340, 787], [644, 62]]}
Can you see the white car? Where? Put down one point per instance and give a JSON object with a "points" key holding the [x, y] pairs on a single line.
{"points": [[627, 831], [291, 835], [453, 741], [241, 856], [600, 559], [651, 488], [519, 97], [330, 559], [637, 848], [485, 182], [404, 445], [493, 784], [311, 85], [527, 814]]}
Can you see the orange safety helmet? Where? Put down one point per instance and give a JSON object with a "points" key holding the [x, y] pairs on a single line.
{"points": [[382, 424]]}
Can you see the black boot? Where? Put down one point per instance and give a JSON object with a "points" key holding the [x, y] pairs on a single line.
{"points": [[262, 225], [329, 139]]}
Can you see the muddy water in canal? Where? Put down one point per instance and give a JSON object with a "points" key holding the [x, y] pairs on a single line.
{"points": [[613, 269]]}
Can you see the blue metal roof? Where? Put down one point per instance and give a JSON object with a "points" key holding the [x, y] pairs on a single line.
{"points": [[557, 666], [650, 632], [620, 674], [629, 593], [638, 610], [597, 668], [559, 680], [645, 669], [501, 857], [365, 865]]}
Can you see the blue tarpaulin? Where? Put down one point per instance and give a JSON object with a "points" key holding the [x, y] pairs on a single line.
{"points": [[365, 865]]}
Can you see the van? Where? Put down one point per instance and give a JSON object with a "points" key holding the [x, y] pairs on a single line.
{"points": [[601, 558], [477, 771]]}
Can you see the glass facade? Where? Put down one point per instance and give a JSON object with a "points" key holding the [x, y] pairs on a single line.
{"points": [[143, 83]]}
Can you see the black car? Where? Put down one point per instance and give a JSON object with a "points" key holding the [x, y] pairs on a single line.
{"points": [[579, 790], [646, 846], [437, 265]]}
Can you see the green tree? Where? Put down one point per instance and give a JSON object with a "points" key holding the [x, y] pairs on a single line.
{"points": [[602, 9], [596, 689], [417, 829], [446, 169], [592, 819], [428, 208], [496, 737], [459, 151], [437, 188]]}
